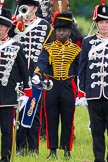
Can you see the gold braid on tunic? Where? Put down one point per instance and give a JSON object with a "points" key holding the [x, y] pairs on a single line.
{"points": [[61, 57]]}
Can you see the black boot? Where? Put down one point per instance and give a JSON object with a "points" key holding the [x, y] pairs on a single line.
{"points": [[52, 154], [4, 160], [67, 155], [20, 152]]}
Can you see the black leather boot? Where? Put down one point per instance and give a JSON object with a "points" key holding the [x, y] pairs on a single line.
{"points": [[52, 154], [67, 155]]}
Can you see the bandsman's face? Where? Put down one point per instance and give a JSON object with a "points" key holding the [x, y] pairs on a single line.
{"points": [[32, 9], [3, 29], [62, 34], [102, 26]]}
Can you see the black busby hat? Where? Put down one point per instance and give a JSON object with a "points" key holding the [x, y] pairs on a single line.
{"points": [[63, 20], [5, 17], [29, 2], [100, 12]]}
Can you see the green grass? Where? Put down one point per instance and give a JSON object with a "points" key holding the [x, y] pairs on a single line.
{"points": [[84, 24], [82, 148]]}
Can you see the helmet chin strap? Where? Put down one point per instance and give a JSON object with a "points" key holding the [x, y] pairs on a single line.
{"points": [[102, 31]]}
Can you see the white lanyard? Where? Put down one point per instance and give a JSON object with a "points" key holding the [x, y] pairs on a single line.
{"points": [[15, 38]]}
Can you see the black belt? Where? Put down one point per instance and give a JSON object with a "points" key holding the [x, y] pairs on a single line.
{"points": [[62, 78]]}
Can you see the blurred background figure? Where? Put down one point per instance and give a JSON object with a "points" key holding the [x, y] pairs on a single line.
{"points": [[44, 10]]}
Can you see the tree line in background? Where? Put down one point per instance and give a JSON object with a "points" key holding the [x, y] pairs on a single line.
{"points": [[83, 8], [78, 7]]}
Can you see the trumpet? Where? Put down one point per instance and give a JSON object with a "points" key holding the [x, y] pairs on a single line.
{"points": [[23, 11]]}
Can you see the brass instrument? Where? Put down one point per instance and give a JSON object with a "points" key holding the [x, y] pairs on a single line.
{"points": [[23, 11]]}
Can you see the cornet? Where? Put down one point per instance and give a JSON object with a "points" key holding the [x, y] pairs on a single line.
{"points": [[23, 11]]}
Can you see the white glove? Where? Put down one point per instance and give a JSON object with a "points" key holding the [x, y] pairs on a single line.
{"points": [[23, 101], [77, 101], [81, 101], [35, 79]]}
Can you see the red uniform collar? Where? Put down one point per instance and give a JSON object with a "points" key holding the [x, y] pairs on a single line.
{"points": [[100, 36], [5, 38], [31, 20], [59, 43]]}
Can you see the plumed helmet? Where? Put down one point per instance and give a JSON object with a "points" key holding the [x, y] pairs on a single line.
{"points": [[100, 12], [29, 2], [63, 20], [5, 17]]}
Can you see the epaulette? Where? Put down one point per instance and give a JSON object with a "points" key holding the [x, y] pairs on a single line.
{"points": [[75, 46], [47, 45], [89, 36]]}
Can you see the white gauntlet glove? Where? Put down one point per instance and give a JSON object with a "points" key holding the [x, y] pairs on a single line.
{"points": [[35, 79], [23, 101], [81, 102], [77, 101]]}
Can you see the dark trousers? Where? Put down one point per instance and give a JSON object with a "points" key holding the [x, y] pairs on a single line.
{"points": [[60, 102], [29, 137], [6, 123], [98, 112], [43, 122]]}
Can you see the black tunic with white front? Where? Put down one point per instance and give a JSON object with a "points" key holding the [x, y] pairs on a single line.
{"points": [[13, 67], [33, 40]]}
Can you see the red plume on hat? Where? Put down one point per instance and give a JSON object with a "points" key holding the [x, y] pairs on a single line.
{"points": [[103, 2], [1, 5], [54, 16], [95, 14]]}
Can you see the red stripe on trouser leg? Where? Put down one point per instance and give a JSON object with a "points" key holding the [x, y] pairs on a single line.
{"points": [[47, 136], [72, 134], [13, 125], [41, 116], [40, 119], [13, 132], [74, 89]]}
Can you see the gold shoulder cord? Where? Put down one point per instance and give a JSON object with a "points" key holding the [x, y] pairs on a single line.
{"points": [[47, 47], [49, 34]]}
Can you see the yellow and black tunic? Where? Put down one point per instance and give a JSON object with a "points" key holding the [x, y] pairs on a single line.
{"points": [[60, 62]]}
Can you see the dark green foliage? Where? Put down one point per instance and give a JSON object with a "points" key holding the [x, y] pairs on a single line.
{"points": [[83, 7], [78, 7], [10, 4]]}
